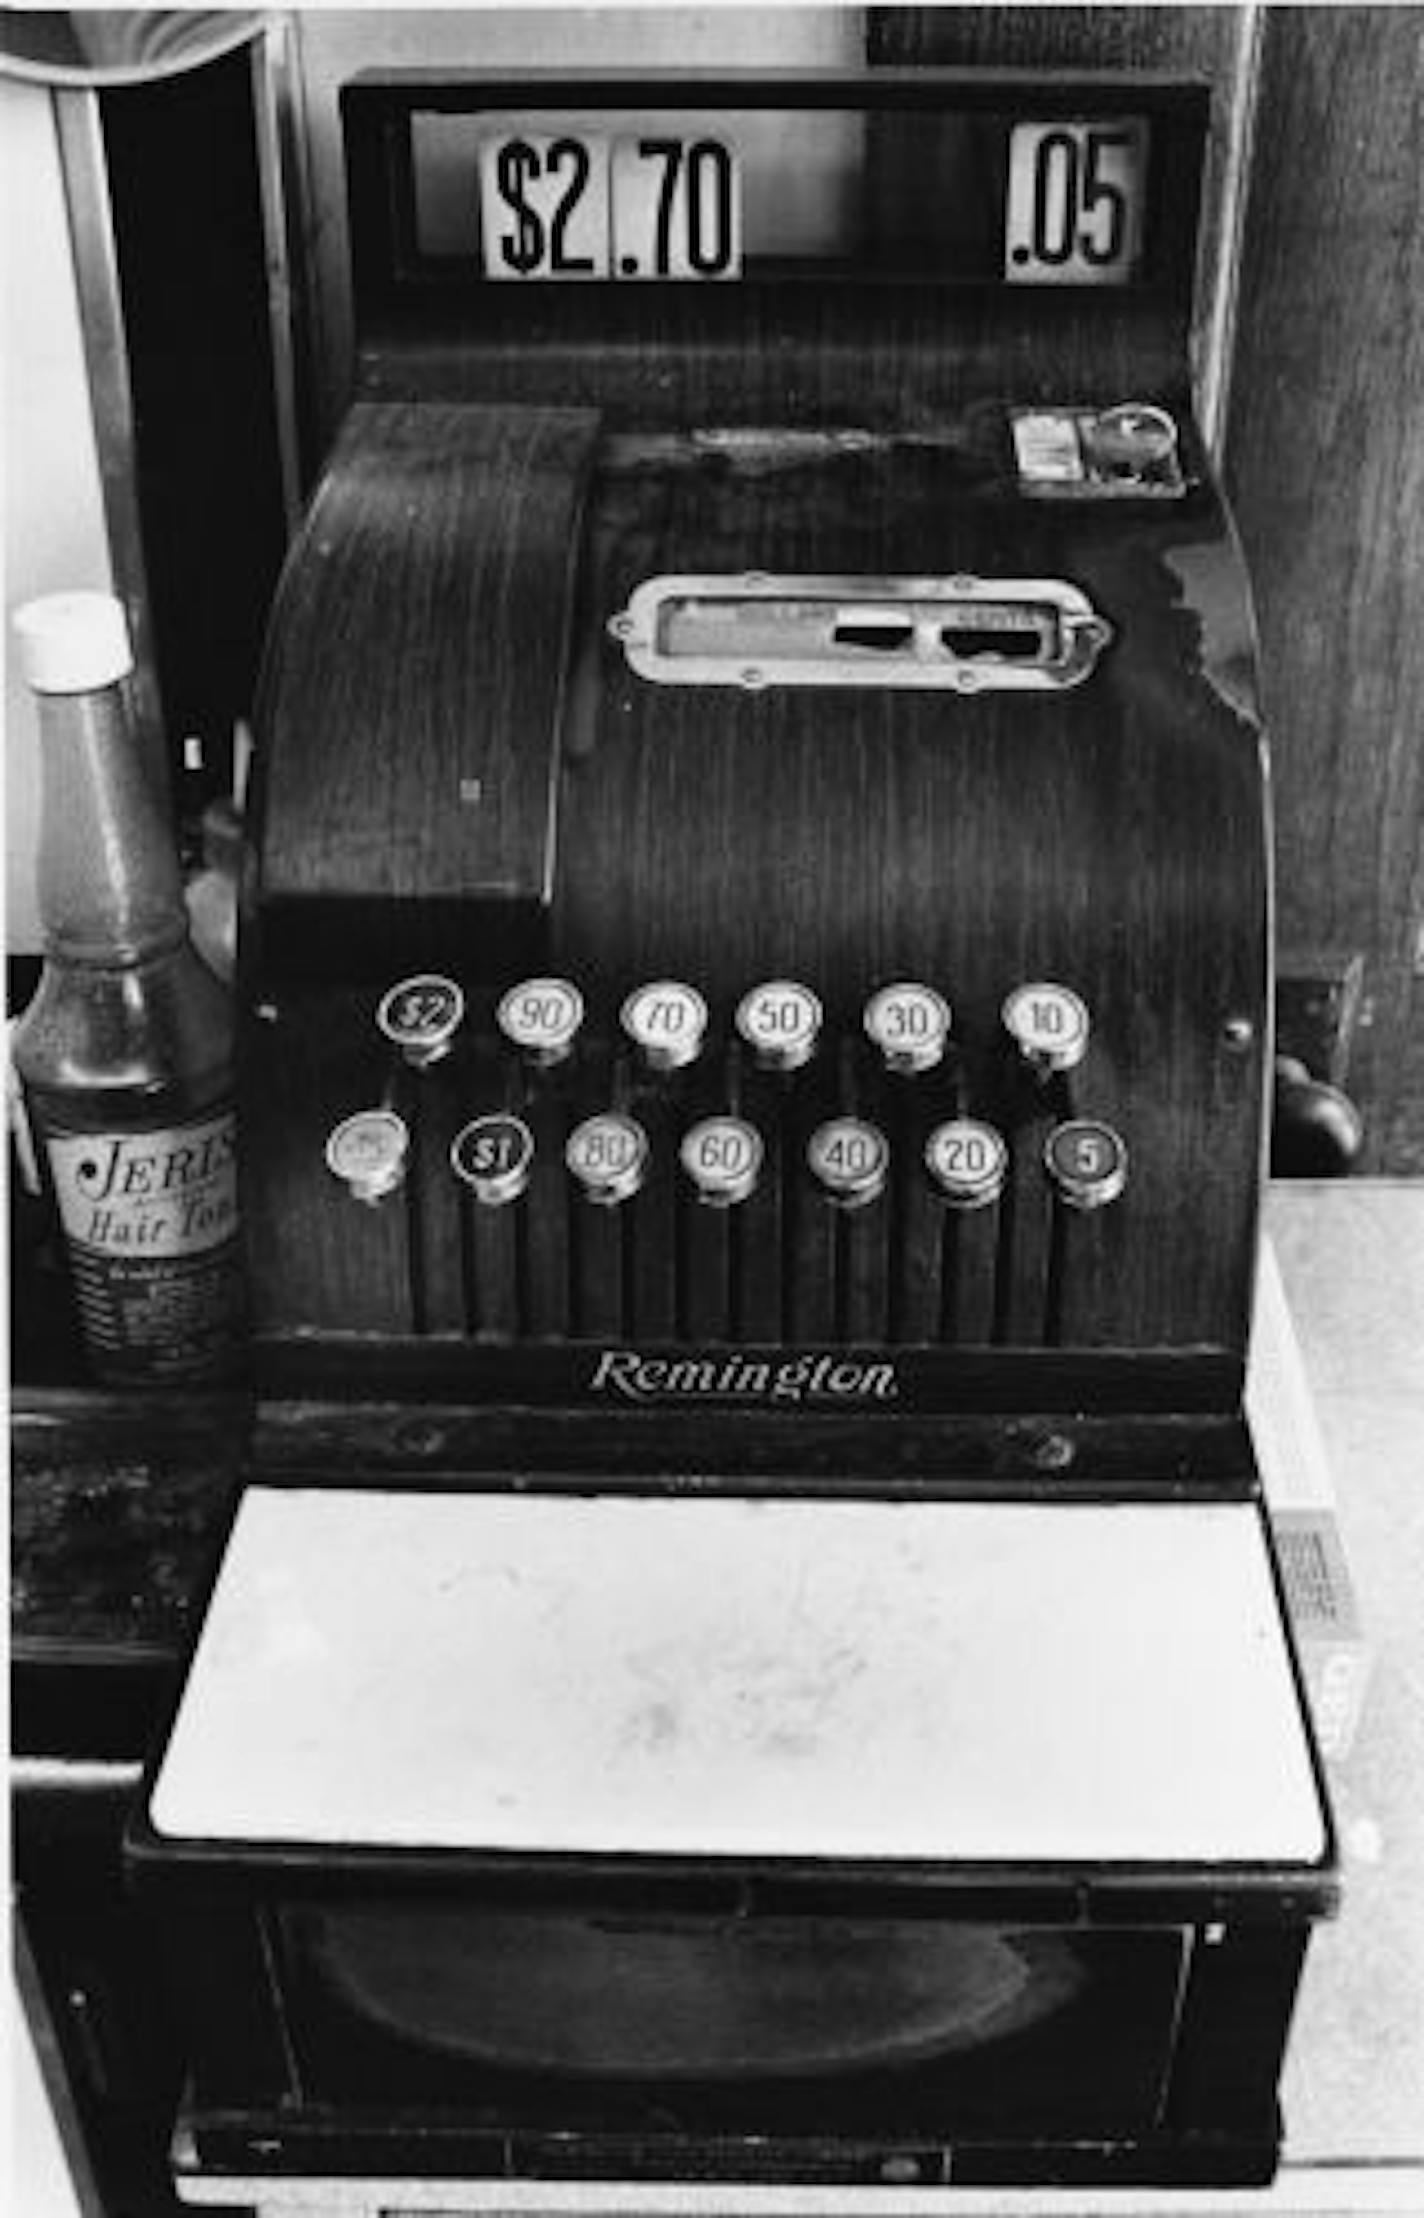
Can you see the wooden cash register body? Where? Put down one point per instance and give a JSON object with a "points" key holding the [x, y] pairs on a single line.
{"points": [[461, 772]]}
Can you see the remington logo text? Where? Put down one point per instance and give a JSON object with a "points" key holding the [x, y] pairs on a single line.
{"points": [[821, 1378]]}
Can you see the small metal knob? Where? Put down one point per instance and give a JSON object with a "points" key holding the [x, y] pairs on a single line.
{"points": [[1086, 1163], [541, 1017], [666, 1022], [493, 1155], [608, 1156], [421, 1016], [723, 1157], [968, 1162], [1049, 1024], [1132, 439], [368, 1152], [850, 1159], [909, 1023], [781, 1022]]}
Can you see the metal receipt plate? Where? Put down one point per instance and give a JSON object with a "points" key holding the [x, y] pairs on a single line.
{"points": [[958, 634]]}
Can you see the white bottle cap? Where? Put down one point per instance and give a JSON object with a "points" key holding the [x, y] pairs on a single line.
{"points": [[73, 642]]}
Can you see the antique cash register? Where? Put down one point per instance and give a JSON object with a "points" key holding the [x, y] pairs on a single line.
{"points": [[750, 1654]]}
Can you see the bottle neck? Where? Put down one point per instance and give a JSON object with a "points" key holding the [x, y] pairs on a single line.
{"points": [[108, 881]]}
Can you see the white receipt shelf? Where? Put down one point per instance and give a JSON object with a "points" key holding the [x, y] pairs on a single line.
{"points": [[949, 1681]]}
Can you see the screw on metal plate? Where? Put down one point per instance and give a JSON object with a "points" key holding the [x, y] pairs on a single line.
{"points": [[419, 1436]]}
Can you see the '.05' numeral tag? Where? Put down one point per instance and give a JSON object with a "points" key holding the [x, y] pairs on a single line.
{"points": [[1075, 199]]}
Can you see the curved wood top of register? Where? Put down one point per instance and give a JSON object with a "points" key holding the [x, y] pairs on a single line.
{"points": [[940, 1682]]}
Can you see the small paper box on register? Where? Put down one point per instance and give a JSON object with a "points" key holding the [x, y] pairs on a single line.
{"points": [[751, 1651]]}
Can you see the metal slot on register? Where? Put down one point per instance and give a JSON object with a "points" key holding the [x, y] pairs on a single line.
{"points": [[960, 634]]}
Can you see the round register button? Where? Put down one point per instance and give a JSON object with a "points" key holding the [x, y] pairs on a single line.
{"points": [[421, 1016], [608, 1156], [967, 1161], [909, 1023], [1086, 1163], [541, 1017], [493, 1155], [850, 1159], [723, 1157], [1049, 1025], [781, 1022], [666, 1022], [368, 1152]]}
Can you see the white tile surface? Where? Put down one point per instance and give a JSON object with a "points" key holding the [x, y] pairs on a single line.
{"points": [[938, 1680], [41, 2184], [1351, 1256]]}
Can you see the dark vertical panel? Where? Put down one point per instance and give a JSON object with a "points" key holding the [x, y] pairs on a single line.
{"points": [[1236, 2012], [187, 206], [1326, 463]]}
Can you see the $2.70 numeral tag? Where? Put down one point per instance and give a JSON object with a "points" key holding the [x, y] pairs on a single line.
{"points": [[572, 206]]}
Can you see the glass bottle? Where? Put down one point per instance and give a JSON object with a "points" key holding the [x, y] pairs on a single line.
{"points": [[125, 1053]]}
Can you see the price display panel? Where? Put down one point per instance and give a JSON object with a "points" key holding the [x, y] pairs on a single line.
{"points": [[644, 204], [684, 196]]}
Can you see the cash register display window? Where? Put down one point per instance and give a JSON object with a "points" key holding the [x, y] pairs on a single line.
{"points": [[604, 196]]}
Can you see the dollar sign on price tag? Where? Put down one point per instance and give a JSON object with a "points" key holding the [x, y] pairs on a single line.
{"points": [[544, 205]]}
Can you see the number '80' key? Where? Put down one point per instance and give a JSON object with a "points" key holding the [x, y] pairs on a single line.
{"points": [[607, 1156]]}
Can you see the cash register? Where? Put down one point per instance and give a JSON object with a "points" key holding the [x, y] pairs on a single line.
{"points": [[749, 1659]]}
